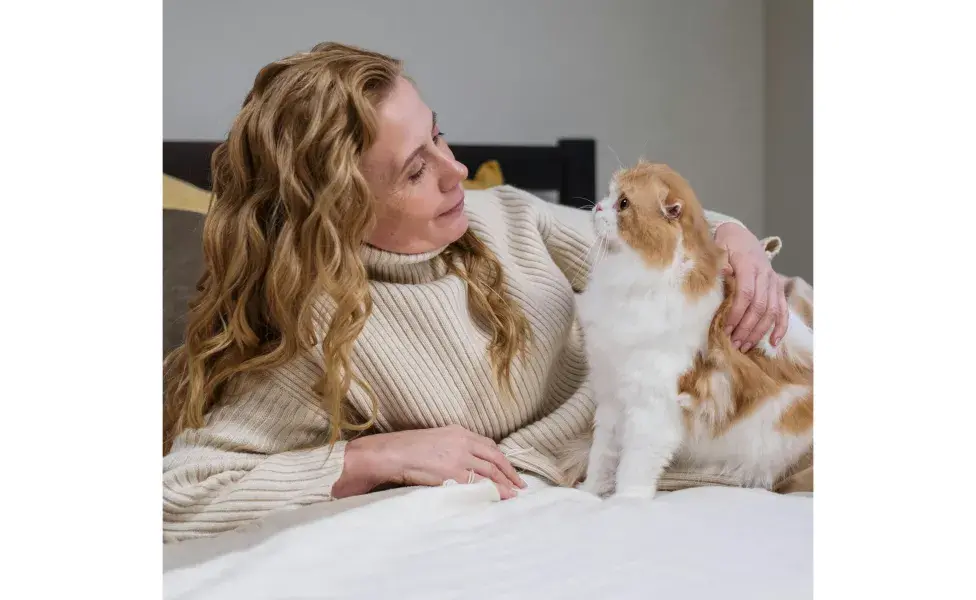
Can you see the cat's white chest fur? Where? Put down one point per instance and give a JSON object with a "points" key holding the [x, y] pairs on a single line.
{"points": [[642, 333]]}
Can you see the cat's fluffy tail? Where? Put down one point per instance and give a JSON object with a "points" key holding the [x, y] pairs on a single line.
{"points": [[573, 459]]}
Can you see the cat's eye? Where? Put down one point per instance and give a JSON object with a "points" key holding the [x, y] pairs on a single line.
{"points": [[623, 203]]}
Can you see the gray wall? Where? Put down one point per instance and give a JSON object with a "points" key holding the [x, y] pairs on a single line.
{"points": [[789, 132], [681, 81]]}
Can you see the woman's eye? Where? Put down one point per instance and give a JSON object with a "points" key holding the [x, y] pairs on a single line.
{"points": [[420, 173], [624, 203]]}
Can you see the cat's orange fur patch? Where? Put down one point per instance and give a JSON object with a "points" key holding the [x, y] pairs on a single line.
{"points": [[753, 377], [697, 382], [642, 226], [798, 418], [649, 187], [798, 479]]}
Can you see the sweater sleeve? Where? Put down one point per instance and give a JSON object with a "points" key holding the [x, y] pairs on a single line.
{"points": [[261, 452], [539, 446], [570, 237]]}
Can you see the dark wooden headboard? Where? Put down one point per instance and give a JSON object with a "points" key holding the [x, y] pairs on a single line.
{"points": [[568, 168]]}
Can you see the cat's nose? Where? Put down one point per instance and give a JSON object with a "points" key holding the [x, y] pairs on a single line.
{"points": [[598, 207]]}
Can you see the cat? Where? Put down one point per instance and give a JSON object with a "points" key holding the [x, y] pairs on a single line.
{"points": [[670, 388]]}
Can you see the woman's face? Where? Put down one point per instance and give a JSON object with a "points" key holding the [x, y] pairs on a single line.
{"points": [[414, 175]]}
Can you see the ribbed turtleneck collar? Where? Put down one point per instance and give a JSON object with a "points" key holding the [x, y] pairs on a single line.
{"points": [[391, 267]]}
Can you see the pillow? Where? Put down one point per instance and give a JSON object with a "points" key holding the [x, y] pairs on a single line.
{"points": [[488, 175], [180, 195], [184, 210]]}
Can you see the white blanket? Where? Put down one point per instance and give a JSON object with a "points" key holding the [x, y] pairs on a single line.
{"points": [[549, 543]]}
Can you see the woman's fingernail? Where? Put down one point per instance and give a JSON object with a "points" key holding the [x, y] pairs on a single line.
{"points": [[737, 345], [745, 347], [728, 330], [522, 482]]}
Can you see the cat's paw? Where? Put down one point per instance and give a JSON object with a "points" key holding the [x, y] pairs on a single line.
{"points": [[635, 492], [596, 487]]}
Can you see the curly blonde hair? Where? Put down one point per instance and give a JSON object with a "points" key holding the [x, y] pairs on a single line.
{"points": [[289, 214]]}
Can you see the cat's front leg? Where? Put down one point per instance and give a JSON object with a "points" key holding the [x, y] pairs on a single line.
{"points": [[599, 468], [652, 434]]}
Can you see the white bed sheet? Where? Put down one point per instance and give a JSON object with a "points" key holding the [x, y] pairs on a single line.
{"points": [[461, 542]]}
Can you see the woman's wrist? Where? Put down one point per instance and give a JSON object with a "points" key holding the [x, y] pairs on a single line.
{"points": [[737, 237], [362, 469], [737, 232], [727, 228]]}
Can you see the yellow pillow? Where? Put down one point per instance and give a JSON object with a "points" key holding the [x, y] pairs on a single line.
{"points": [[180, 195], [488, 175]]}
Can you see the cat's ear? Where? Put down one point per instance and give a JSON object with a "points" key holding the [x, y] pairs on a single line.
{"points": [[672, 210]]}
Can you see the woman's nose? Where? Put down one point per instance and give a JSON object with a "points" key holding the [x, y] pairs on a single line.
{"points": [[453, 175], [461, 169]]}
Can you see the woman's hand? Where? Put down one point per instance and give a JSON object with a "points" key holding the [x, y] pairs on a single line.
{"points": [[424, 457], [760, 301]]}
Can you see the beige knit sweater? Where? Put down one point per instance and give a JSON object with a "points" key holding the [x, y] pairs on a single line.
{"points": [[426, 360]]}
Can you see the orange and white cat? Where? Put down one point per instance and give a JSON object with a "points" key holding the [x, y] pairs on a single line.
{"points": [[670, 387]]}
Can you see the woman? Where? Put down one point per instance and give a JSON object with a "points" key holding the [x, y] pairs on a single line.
{"points": [[362, 322]]}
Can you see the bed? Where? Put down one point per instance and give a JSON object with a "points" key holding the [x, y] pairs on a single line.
{"points": [[461, 541]]}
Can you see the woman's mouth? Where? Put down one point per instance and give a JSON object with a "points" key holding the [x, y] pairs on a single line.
{"points": [[457, 208]]}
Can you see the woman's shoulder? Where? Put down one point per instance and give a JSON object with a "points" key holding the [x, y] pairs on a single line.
{"points": [[505, 217], [507, 206], [503, 197], [504, 205]]}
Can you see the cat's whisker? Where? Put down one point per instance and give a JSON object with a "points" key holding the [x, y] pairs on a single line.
{"points": [[604, 249], [582, 265], [598, 245], [587, 200], [619, 162], [602, 244]]}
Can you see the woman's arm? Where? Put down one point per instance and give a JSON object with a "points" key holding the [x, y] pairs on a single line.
{"points": [[263, 451]]}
